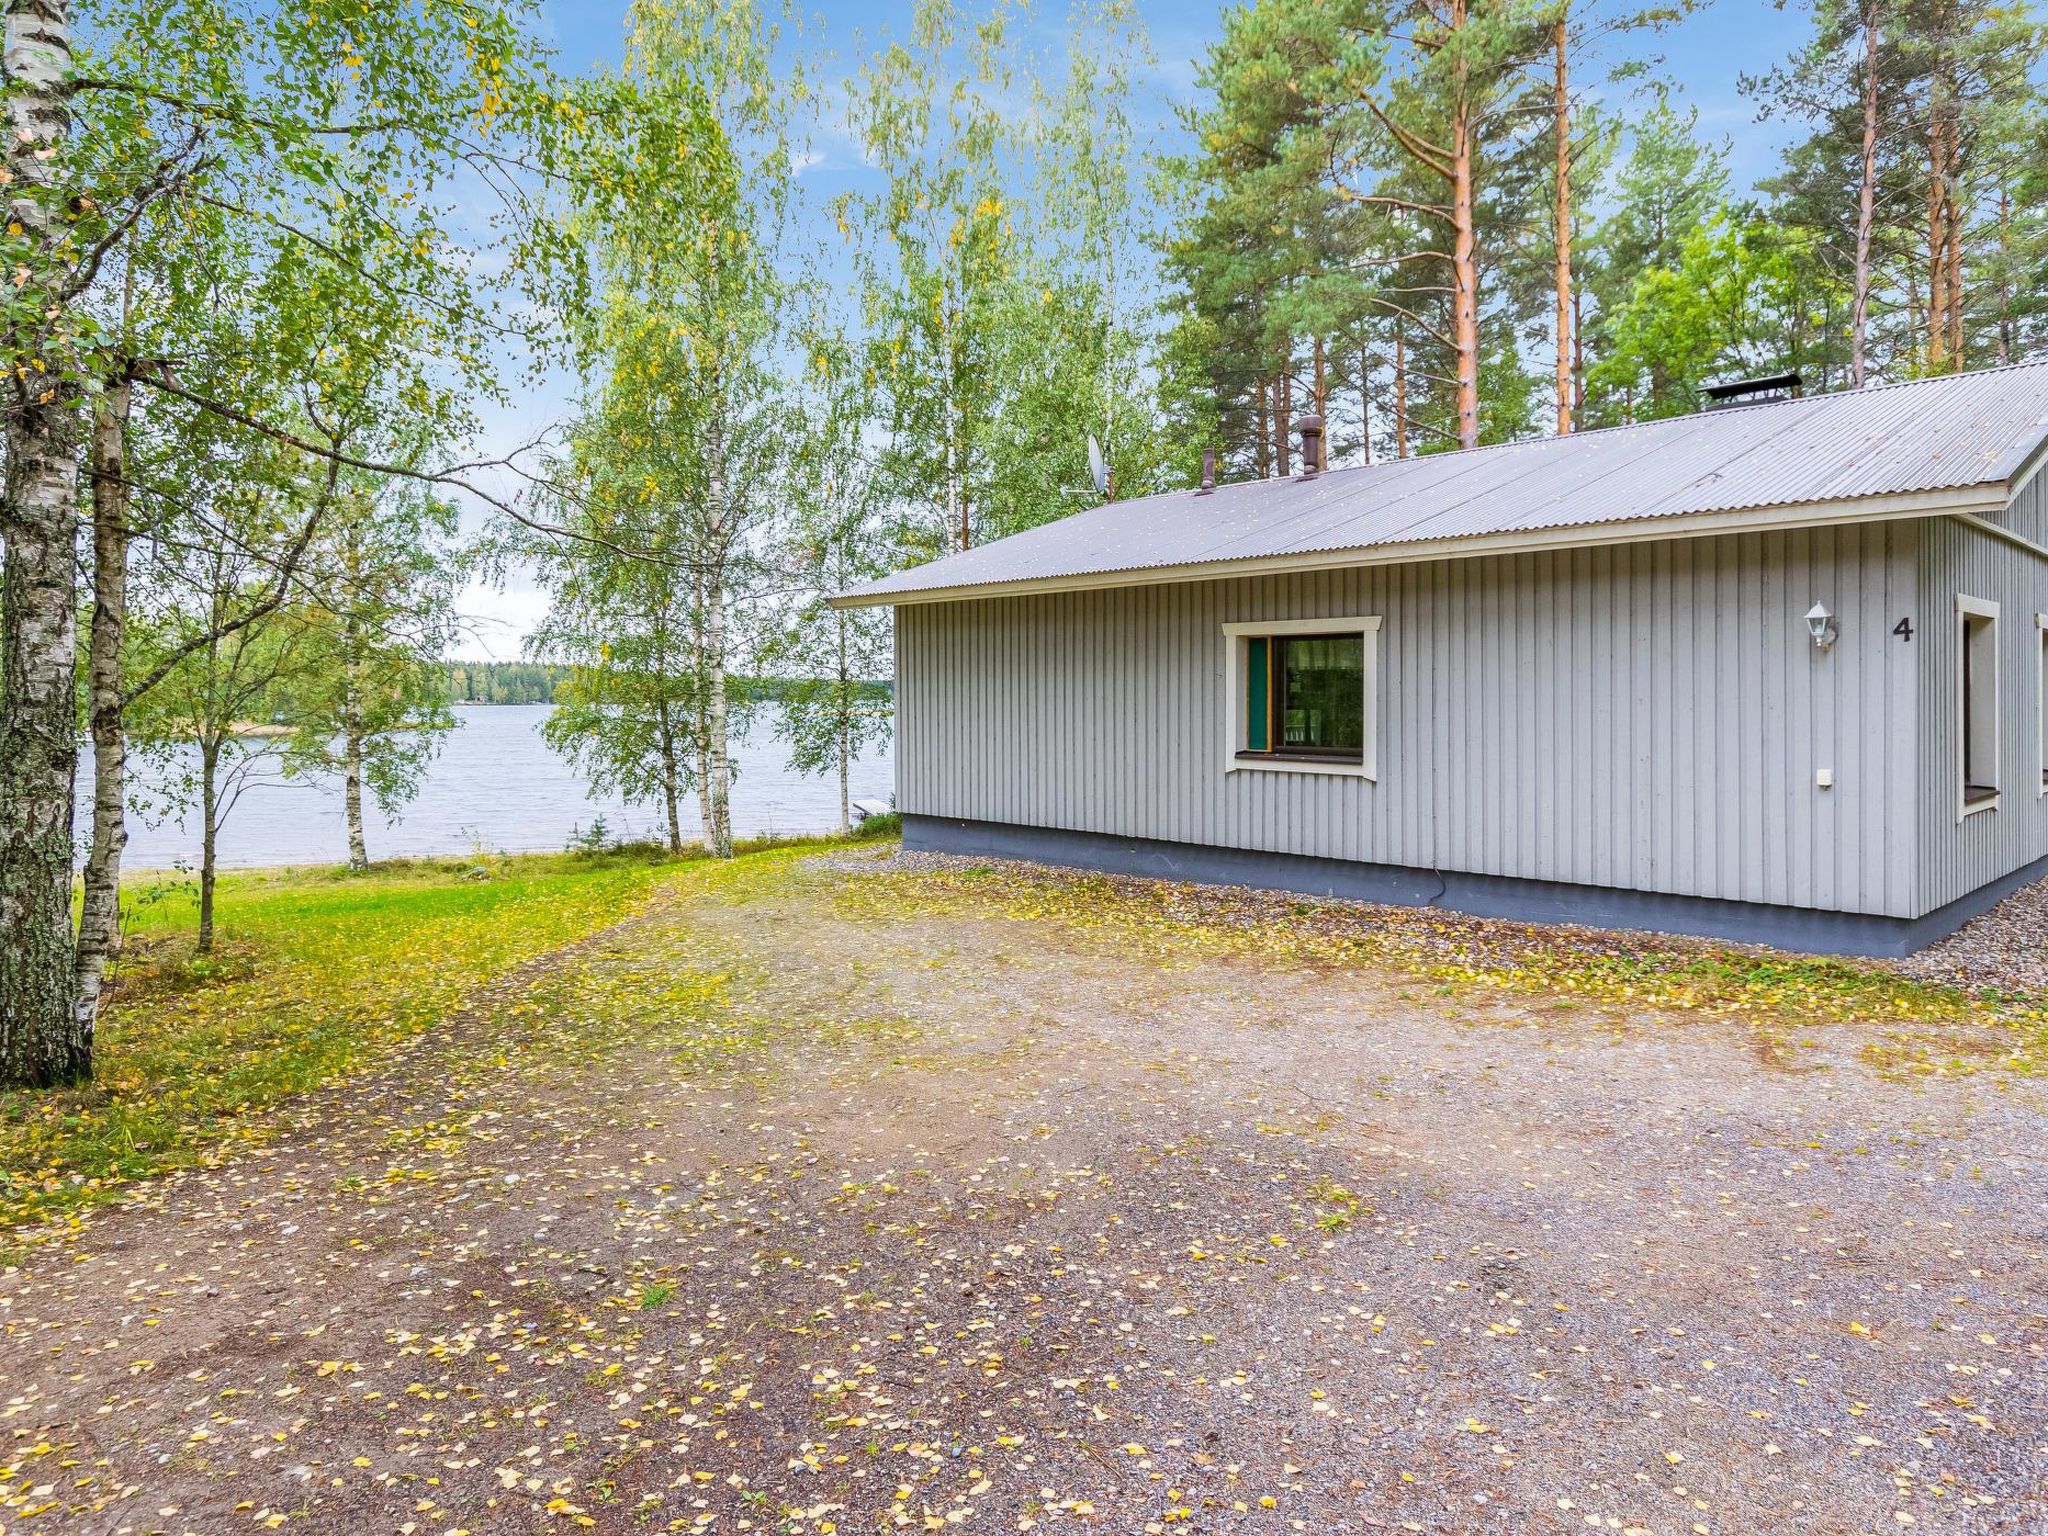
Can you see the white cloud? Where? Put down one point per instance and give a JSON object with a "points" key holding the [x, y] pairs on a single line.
{"points": [[495, 620]]}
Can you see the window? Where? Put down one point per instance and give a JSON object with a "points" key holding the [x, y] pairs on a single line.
{"points": [[1301, 695], [1976, 705]]}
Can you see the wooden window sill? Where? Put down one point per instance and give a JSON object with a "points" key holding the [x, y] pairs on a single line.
{"points": [[1295, 762], [1353, 758]]}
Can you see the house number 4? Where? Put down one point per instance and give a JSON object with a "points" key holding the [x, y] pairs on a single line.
{"points": [[1903, 629]]}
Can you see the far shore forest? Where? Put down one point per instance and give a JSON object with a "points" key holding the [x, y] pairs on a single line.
{"points": [[525, 682], [274, 272]]}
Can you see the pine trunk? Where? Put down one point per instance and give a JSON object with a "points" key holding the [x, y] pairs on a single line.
{"points": [[1940, 200], [1262, 458], [41, 1041], [1561, 276], [1866, 207], [1365, 405], [1464, 259], [1957, 352], [1400, 394], [1283, 412], [1937, 283], [99, 923], [1578, 353], [2008, 339]]}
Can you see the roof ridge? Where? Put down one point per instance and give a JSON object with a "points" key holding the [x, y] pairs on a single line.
{"points": [[1954, 444], [1539, 438]]}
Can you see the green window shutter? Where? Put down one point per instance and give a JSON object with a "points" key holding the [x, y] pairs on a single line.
{"points": [[1256, 681]]}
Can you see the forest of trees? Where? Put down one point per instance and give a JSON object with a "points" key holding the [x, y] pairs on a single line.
{"points": [[502, 682], [271, 269], [1456, 223]]}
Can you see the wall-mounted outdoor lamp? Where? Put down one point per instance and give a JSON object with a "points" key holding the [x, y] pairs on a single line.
{"points": [[1821, 625]]}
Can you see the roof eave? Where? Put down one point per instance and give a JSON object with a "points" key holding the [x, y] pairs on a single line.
{"points": [[1989, 497]]}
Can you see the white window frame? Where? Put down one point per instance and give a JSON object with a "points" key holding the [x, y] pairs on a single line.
{"points": [[1367, 628], [2041, 697], [1968, 608]]}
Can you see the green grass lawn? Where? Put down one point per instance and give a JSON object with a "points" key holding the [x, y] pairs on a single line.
{"points": [[317, 972]]}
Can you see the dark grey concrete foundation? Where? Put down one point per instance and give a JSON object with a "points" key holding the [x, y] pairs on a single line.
{"points": [[1529, 901]]}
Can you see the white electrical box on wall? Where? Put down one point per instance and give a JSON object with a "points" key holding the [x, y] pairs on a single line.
{"points": [[1824, 778]]}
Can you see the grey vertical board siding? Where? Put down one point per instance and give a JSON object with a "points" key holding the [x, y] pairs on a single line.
{"points": [[1645, 716], [1959, 856], [2028, 514]]}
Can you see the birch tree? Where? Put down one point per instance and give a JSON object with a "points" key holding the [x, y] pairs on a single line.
{"points": [[42, 1041], [1082, 318], [676, 463], [326, 130], [251, 326], [372, 620], [627, 628], [834, 705], [219, 651], [936, 248]]}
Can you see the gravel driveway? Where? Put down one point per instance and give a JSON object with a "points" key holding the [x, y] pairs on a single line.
{"points": [[822, 1199]]}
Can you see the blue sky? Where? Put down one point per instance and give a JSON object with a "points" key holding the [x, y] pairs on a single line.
{"points": [[1704, 55]]}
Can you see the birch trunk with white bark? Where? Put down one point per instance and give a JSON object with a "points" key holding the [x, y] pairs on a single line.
{"points": [[845, 729], [352, 797], [718, 822], [209, 837], [665, 729], [41, 1041], [99, 923]]}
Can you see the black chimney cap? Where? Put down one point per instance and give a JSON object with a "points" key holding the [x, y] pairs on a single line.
{"points": [[1786, 386]]}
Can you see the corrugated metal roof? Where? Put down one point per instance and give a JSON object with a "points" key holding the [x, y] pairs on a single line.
{"points": [[1931, 435]]}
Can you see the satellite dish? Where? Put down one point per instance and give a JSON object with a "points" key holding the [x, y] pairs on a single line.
{"points": [[1098, 467]]}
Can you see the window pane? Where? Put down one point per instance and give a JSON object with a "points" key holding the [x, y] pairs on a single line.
{"points": [[1256, 682], [1979, 685], [1322, 694]]}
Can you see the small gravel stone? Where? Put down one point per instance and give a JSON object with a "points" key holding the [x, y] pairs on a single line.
{"points": [[2003, 950]]}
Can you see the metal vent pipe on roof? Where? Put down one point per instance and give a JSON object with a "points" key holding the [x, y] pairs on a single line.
{"points": [[1311, 430]]}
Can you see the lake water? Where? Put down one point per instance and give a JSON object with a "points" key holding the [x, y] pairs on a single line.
{"points": [[494, 783]]}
